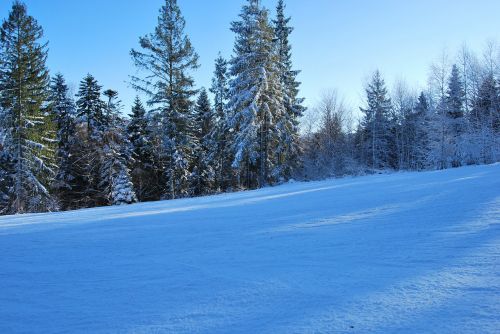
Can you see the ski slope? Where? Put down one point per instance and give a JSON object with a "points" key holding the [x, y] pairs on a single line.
{"points": [[401, 253]]}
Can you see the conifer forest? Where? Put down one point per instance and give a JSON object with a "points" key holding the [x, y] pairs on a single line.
{"points": [[62, 150]]}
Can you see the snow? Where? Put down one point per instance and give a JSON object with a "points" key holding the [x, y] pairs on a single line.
{"points": [[401, 253]]}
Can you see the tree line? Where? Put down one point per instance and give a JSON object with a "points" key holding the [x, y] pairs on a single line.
{"points": [[453, 122], [63, 152]]}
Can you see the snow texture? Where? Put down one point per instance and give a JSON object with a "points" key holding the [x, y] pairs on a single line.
{"points": [[401, 253]]}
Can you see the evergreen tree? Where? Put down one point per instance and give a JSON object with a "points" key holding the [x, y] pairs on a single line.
{"points": [[422, 140], [167, 56], [144, 174], [256, 101], [91, 108], [288, 124], [223, 136], [63, 112], [455, 96], [455, 126], [203, 175], [6, 172], [28, 135], [114, 179], [122, 188], [91, 125], [375, 124], [485, 123]]}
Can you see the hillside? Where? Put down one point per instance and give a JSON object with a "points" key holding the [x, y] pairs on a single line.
{"points": [[401, 253]]}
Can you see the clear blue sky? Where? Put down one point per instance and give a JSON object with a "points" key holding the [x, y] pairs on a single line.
{"points": [[337, 43]]}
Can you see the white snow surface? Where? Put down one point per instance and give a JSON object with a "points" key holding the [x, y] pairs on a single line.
{"points": [[400, 253]]}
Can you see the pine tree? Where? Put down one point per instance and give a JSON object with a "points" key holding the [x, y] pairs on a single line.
{"points": [[455, 126], [222, 151], [63, 111], [144, 174], [288, 124], [485, 123], [455, 96], [24, 81], [91, 127], [256, 101], [422, 140], [167, 56], [122, 188], [114, 178], [91, 108], [203, 175], [375, 124]]}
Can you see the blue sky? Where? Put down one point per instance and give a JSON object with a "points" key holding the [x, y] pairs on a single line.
{"points": [[337, 43]]}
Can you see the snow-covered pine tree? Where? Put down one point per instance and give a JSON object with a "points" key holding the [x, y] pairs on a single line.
{"points": [[203, 176], [484, 123], [28, 135], [166, 58], [91, 126], [375, 124], [455, 99], [91, 109], [63, 111], [222, 153], [256, 101], [6, 170], [421, 146], [114, 179], [144, 174], [288, 124]]}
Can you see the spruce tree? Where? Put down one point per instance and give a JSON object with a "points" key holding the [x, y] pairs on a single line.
{"points": [[28, 137], [485, 123], [223, 136], [91, 125], [256, 101], [455, 96], [203, 176], [144, 174], [375, 124], [455, 125], [91, 109], [63, 111], [114, 178], [288, 124], [422, 138], [166, 58]]}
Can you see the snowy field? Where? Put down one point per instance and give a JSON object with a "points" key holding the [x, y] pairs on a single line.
{"points": [[402, 253]]}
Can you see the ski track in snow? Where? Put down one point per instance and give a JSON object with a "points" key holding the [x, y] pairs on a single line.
{"points": [[400, 253]]}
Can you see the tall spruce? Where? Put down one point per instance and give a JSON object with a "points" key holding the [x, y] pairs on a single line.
{"points": [[144, 174], [91, 125], [455, 126], [203, 175], [223, 155], [256, 101], [375, 124], [422, 144], [63, 110], [29, 135], [166, 58], [455, 97], [485, 122], [288, 124], [114, 178]]}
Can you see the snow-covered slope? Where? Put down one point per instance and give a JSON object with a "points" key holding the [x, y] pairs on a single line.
{"points": [[403, 253]]}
